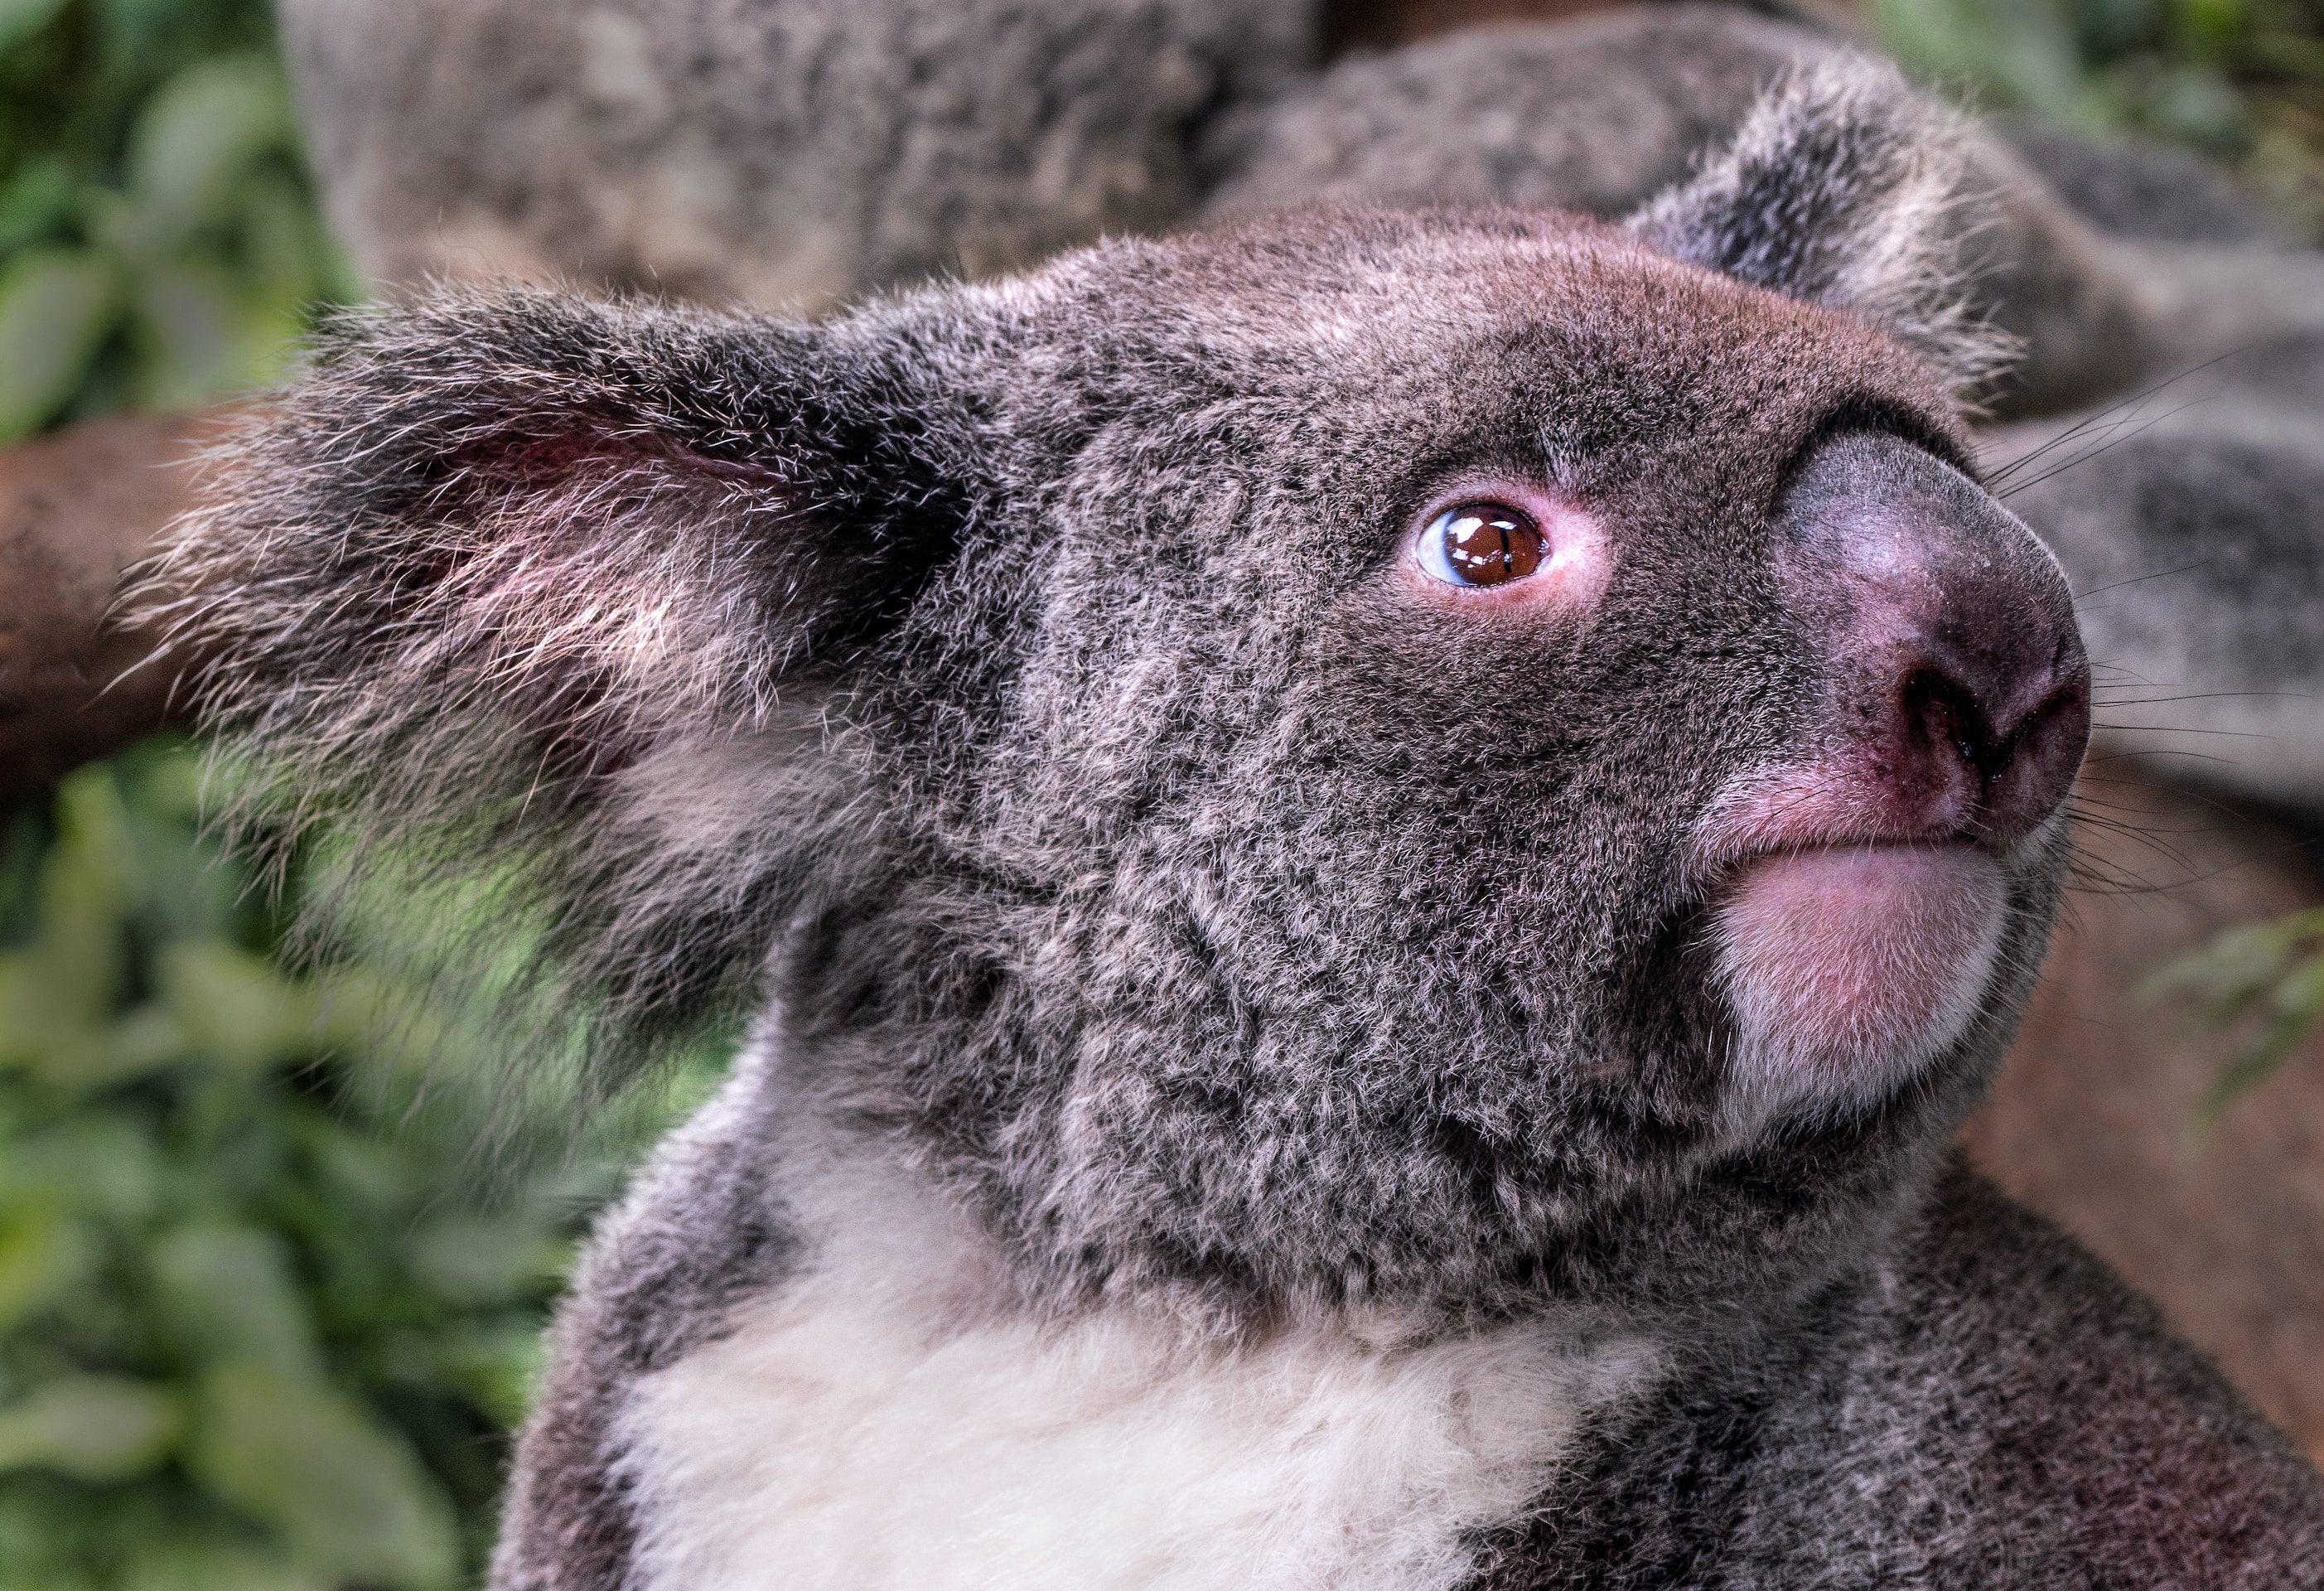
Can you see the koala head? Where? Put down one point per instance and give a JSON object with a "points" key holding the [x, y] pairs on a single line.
{"points": [[1409, 757]]}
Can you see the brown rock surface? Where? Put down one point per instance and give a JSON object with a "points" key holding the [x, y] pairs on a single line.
{"points": [[2091, 1121]]}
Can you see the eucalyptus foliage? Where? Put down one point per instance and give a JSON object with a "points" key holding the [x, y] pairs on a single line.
{"points": [[2241, 81], [158, 243], [265, 1312], [2262, 982]]}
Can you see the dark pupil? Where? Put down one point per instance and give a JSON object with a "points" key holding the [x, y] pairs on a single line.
{"points": [[1487, 543]]}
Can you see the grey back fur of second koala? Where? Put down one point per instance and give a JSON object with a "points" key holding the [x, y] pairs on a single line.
{"points": [[792, 156], [803, 153]]}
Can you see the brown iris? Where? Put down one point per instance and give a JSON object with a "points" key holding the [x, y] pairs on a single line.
{"points": [[1482, 544]]}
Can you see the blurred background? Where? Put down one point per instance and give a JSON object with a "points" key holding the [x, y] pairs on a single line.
{"points": [[274, 1250]]}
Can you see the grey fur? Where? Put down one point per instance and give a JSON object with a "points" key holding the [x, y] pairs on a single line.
{"points": [[1003, 683], [1805, 1461], [1876, 194], [1598, 115], [790, 155], [697, 1232], [1595, 115]]}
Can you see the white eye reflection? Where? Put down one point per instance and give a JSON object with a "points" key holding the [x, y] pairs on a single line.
{"points": [[1480, 543]]}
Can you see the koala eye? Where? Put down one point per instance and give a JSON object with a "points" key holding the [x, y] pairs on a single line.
{"points": [[1480, 544]]}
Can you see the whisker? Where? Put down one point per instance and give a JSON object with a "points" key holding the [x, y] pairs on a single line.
{"points": [[2084, 458], [2165, 752], [2152, 701], [2102, 416], [2140, 580], [2182, 729]]}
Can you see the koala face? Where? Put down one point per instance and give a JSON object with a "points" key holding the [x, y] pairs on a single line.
{"points": [[1389, 758], [1517, 731]]}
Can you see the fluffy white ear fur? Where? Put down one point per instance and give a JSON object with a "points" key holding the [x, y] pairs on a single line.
{"points": [[1846, 188]]}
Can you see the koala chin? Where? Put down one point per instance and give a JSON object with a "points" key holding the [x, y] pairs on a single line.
{"points": [[1851, 968], [1377, 851]]}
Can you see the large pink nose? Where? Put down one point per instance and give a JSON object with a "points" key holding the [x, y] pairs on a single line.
{"points": [[1957, 696]]}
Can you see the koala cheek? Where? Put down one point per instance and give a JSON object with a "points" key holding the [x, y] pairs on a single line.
{"points": [[1847, 968]]}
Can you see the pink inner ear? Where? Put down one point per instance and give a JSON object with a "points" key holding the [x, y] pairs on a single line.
{"points": [[1850, 968], [592, 453]]}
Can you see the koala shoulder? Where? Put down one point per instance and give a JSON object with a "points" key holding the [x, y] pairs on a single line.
{"points": [[698, 1231], [1899, 1432]]}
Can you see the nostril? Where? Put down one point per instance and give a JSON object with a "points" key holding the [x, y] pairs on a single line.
{"points": [[1949, 719], [2051, 738], [2012, 746], [2004, 745]]}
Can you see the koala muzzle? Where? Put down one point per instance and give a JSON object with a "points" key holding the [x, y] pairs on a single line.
{"points": [[1956, 695], [1863, 893]]}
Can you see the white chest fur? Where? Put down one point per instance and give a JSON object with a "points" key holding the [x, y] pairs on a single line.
{"points": [[873, 1425]]}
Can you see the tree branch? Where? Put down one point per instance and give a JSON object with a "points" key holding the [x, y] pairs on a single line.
{"points": [[77, 510]]}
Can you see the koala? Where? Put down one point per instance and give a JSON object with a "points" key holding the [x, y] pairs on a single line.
{"points": [[792, 153], [1376, 851]]}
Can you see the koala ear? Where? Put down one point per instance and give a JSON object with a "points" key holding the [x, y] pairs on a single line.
{"points": [[497, 564], [1845, 187]]}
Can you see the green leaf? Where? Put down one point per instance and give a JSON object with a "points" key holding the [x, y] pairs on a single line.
{"points": [[2211, 25], [20, 19], [56, 307], [92, 1428], [2239, 966], [230, 1294], [194, 140], [43, 1253], [494, 1369], [105, 1165], [88, 890], [2196, 106], [234, 1006], [197, 1565], [42, 1025], [189, 329], [281, 247], [2019, 53], [37, 204], [2271, 973], [2111, 28], [347, 1497], [144, 1042], [482, 1259], [2293, 1006]]}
